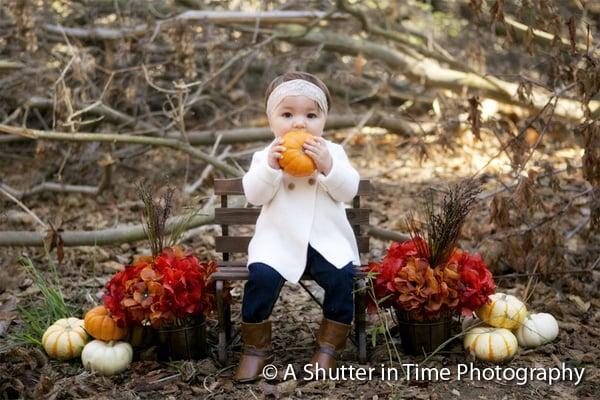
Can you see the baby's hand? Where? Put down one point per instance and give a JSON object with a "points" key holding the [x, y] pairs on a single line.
{"points": [[275, 153], [318, 151]]}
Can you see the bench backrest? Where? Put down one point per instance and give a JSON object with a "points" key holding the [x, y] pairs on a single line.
{"points": [[226, 216]]}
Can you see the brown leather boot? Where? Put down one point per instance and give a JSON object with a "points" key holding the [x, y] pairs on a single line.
{"points": [[257, 351], [331, 340]]}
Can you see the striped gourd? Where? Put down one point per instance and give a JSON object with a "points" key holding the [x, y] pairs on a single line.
{"points": [[491, 344], [503, 311], [65, 339]]}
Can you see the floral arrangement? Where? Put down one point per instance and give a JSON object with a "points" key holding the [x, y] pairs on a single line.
{"points": [[406, 281], [425, 278], [169, 288], [163, 291]]}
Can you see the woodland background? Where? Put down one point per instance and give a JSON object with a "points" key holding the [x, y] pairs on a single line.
{"points": [[97, 95]]}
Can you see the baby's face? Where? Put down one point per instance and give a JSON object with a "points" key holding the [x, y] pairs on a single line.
{"points": [[297, 113]]}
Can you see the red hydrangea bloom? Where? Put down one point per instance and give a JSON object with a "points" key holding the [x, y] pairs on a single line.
{"points": [[120, 287], [187, 290], [476, 281], [401, 251], [175, 285]]}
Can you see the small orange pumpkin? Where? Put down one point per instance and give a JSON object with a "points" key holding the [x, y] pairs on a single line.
{"points": [[294, 161], [99, 323]]}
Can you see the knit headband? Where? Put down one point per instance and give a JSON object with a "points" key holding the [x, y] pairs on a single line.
{"points": [[296, 87]]}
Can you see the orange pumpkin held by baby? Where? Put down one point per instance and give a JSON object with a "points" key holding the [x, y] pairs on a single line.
{"points": [[99, 323], [294, 161]]}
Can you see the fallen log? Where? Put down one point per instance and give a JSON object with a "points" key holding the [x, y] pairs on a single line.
{"points": [[135, 233], [104, 237]]}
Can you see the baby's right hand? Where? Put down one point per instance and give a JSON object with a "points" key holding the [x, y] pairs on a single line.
{"points": [[275, 153]]}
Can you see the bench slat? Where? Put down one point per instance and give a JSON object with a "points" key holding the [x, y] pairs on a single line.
{"points": [[239, 244], [248, 216], [232, 264], [233, 186], [241, 273]]}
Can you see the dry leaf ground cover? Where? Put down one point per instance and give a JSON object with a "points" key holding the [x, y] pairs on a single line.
{"points": [[552, 207]]}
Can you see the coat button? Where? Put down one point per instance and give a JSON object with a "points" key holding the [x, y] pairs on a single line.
{"points": [[311, 181], [291, 186]]}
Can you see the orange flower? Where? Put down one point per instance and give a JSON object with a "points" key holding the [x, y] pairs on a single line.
{"points": [[406, 281], [415, 284]]}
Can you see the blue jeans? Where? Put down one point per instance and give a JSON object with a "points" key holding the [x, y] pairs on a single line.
{"points": [[264, 284]]}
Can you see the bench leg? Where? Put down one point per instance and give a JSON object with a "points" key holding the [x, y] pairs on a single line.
{"points": [[228, 325], [360, 320], [222, 346]]}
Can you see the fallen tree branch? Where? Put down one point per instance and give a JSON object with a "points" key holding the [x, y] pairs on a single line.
{"points": [[430, 74], [6, 64], [214, 17], [383, 234], [105, 237], [101, 110], [543, 37], [134, 233], [207, 170], [112, 138], [358, 127], [62, 187], [393, 92], [23, 206], [410, 44], [52, 187], [245, 135]]}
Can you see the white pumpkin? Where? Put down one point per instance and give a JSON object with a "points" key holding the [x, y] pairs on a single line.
{"points": [[537, 329], [491, 344], [107, 358], [503, 311], [65, 339]]}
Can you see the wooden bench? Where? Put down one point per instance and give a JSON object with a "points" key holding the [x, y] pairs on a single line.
{"points": [[230, 270]]}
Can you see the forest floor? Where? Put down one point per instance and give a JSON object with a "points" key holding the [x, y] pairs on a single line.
{"points": [[399, 179]]}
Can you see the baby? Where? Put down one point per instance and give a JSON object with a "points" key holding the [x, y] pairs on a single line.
{"points": [[302, 225]]}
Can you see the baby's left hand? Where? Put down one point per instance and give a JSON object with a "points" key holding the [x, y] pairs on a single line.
{"points": [[317, 150]]}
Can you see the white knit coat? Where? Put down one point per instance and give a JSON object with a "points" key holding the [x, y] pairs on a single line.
{"points": [[299, 211]]}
